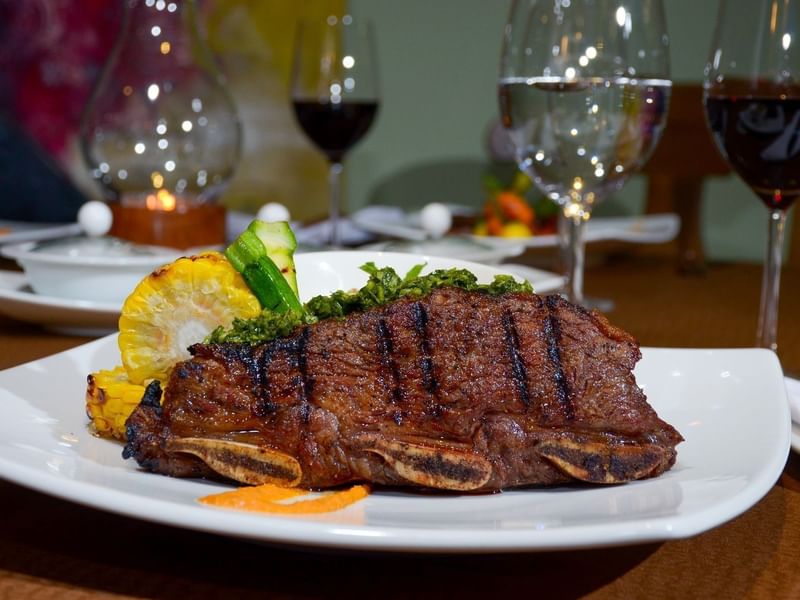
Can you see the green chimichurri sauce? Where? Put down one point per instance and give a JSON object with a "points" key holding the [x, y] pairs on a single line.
{"points": [[384, 286]]}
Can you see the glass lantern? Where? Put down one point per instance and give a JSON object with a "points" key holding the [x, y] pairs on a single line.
{"points": [[161, 133]]}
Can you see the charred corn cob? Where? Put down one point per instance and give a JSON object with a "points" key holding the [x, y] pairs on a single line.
{"points": [[110, 399], [176, 306]]}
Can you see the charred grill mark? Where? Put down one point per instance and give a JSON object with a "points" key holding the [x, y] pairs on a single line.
{"points": [[236, 352], [257, 370], [152, 396], [260, 378], [135, 436], [518, 372], [306, 380], [250, 363], [420, 316], [386, 349], [188, 369], [552, 332]]}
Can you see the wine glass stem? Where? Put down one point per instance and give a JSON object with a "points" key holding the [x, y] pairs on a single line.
{"points": [[767, 336], [576, 227], [564, 253], [335, 184]]}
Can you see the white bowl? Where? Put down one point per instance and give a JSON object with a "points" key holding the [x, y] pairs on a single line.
{"points": [[94, 269]]}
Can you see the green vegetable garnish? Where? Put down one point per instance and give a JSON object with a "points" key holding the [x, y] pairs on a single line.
{"points": [[384, 286], [264, 255]]}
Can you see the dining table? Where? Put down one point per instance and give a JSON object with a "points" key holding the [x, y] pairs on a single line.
{"points": [[53, 548]]}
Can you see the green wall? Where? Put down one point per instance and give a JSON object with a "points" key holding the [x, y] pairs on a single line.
{"points": [[438, 65]]}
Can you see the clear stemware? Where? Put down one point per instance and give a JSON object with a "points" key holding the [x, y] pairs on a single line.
{"points": [[752, 101], [335, 93], [584, 91]]}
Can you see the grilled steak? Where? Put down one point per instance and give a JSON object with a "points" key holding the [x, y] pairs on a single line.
{"points": [[458, 390]]}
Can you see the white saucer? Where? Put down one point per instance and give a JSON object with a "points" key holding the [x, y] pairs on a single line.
{"points": [[80, 317]]}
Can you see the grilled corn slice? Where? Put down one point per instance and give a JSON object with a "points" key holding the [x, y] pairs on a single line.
{"points": [[176, 306], [110, 399]]}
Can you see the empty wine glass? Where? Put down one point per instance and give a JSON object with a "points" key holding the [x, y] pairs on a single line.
{"points": [[335, 93], [752, 100], [584, 92]]}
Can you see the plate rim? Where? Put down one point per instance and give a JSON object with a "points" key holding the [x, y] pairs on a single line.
{"points": [[33, 299]]}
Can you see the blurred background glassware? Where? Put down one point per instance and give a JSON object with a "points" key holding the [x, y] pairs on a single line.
{"points": [[752, 100], [335, 93], [161, 133], [584, 91]]}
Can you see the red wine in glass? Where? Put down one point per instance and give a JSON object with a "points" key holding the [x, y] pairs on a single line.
{"points": [[335, 127], [760, 137], [335, 93], [752, 102]]}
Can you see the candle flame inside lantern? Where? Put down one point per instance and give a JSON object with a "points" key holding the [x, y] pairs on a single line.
{"points": [[161, 200]]}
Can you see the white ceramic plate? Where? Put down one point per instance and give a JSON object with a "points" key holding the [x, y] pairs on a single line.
{"points": [[83, 317], [730, 405]]}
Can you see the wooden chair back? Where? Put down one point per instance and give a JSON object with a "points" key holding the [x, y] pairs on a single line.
{"points": [[683, 159]]}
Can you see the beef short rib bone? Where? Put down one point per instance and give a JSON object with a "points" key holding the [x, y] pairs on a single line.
{"points": [[457, 390]]}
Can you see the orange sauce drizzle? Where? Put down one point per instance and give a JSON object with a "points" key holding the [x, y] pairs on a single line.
{"points": [[272, 499]]}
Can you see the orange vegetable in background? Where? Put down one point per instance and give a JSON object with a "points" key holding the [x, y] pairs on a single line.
{"points": [[494, 225], [515, 208]]}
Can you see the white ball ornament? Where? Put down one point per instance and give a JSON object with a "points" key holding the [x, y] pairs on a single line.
{"points": [[436, 219], [272, 212], [95, 218]]}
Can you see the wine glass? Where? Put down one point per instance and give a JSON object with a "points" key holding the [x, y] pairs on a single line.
{"points": [[752, 101], [584, 91], [335, 93]]}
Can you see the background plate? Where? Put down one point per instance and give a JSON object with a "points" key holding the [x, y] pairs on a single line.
{"points": [[645, 229], [83, 317]]}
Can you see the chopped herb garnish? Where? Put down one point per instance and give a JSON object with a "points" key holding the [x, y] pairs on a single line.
{"points": [[384, 286]]}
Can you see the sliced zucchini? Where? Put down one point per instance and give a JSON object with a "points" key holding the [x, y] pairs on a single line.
{"points": [[256, 254]]}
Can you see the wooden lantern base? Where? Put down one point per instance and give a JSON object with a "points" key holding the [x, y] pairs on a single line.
{"points": [[200, 225]]}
